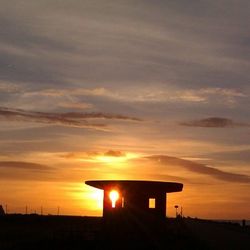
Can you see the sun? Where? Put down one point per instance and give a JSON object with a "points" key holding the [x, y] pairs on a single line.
{"points": [[114, 196]]}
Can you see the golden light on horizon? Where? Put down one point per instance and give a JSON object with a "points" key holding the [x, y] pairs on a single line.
{"points": [[93, 200], [114, 196], [115, 159], [85, 197], [108, 158]]}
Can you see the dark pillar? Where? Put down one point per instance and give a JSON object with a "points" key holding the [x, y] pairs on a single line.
{"points": [[160, 204]]}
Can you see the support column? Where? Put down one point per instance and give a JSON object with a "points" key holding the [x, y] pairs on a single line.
{"points": [[160, 205]]}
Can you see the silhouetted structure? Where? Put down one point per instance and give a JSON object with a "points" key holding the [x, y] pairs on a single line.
{"points": [[1, 210], [144, 199]]}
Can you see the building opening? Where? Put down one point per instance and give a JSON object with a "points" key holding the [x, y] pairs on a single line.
{"points": [[151, 203]]}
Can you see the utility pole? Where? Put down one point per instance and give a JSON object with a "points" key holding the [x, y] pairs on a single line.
{"points": [[6, 209], [176, 212]]}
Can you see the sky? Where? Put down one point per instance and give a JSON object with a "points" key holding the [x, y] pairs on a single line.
{"points": [[141, 90]]}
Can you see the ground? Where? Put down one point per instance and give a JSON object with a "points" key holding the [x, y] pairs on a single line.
{"points": [[71, 232]]}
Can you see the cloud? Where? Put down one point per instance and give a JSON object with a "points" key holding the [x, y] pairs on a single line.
{"points": [[93, 154], [159, 94], [200, 168], [129, 48], [99, 115], [75, 105], [214, 122], [114, 153], [24, 165], [8, 87], [27, 171], [226, 95], [75, 119], [241, 156]]}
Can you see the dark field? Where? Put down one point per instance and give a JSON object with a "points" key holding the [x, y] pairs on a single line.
{"points": [[70, 232]]}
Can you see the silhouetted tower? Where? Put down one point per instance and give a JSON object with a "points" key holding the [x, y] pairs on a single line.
{"points": [[142, 199], [1, 210], [176, 210]]}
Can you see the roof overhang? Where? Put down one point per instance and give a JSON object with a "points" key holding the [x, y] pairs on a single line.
{"points": [[140, 186]]}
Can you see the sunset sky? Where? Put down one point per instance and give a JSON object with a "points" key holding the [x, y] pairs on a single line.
{"points": [[125, 89]]}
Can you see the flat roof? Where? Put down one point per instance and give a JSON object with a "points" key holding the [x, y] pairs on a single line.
{"points": [[141, 186]]}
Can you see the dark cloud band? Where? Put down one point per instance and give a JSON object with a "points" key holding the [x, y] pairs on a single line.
{"points": [[74, 119], [214, 122], [24, 165], [201, 168]]}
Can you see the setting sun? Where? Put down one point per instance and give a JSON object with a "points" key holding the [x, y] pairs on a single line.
{"points": [[114, 196]]}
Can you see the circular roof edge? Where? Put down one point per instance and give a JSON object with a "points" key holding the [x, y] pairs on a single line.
{"points": [[138, 185]]}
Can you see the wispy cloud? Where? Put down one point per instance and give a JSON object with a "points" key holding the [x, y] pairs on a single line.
{"points": [[200, 168], [72, 91], [24, 165], [75, 119], [239, 156], [27, 171], [208, 94], [75, 105], [93, 154], [8, 87], [214, 122], [129, 48], [159, 94]]}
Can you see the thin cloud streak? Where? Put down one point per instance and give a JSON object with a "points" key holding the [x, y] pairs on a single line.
{"points": [[24, 165], [148, 94], [200, 168], [75, 119], [93, 154], [214, 122]]}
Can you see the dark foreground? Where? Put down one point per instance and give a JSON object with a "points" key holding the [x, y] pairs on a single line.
{"points": [[66, 232]]}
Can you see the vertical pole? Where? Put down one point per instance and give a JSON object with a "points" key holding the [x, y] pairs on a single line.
{"points": [[105, 203], [166, 210], [176, 212]]}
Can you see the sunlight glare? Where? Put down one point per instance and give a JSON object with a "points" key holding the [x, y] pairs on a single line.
{"points": [[116, 159], [114, 196], [97, 196]]}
